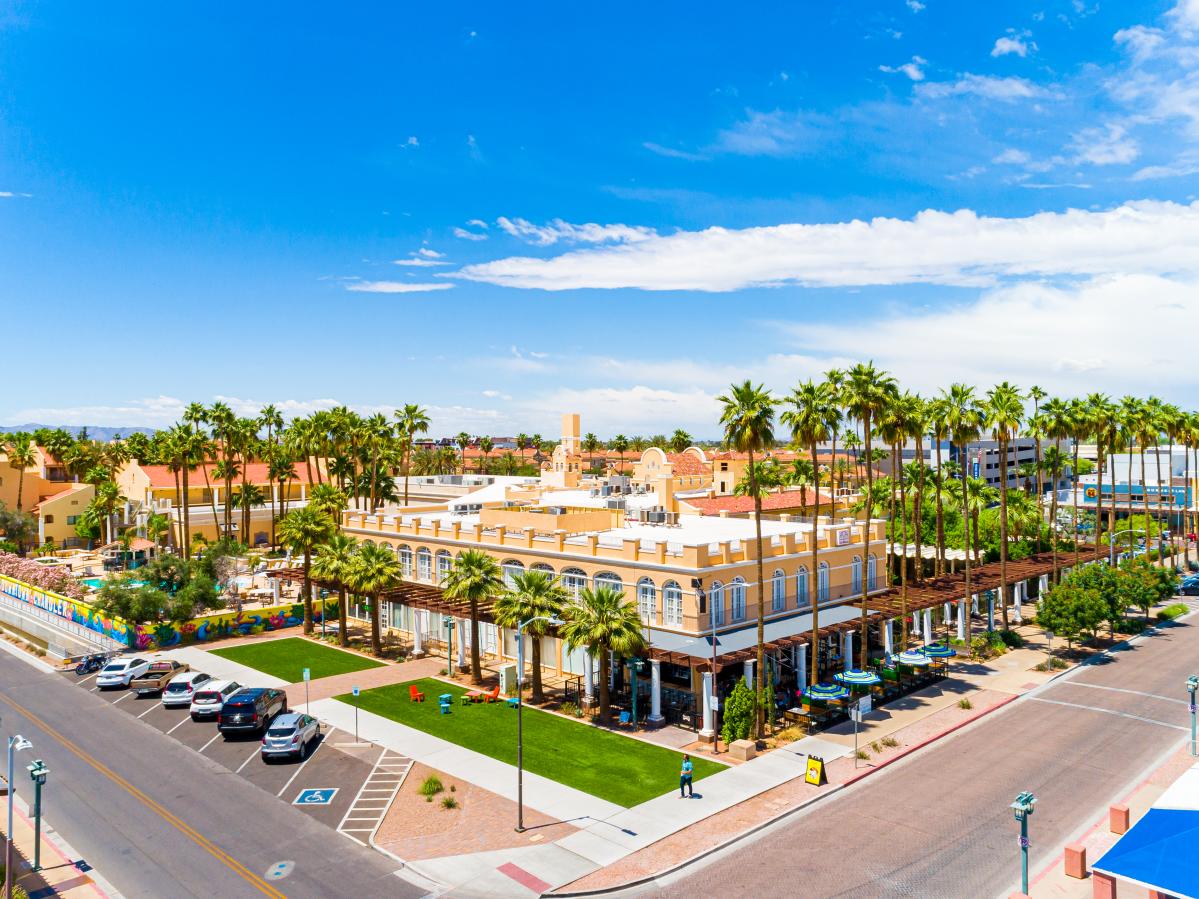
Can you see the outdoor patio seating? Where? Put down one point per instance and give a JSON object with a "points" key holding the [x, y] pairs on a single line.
{"points": [[414, 694]]}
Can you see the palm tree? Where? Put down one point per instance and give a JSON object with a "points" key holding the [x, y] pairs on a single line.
{"points": [[812, 417], [107, 500], [748, 420], [680, 440], [604, 622], [1036, 430], [535, 595], [246, 498], [963, 421], [302, 531], [474, 578], [1058, 426], [620, 446], [1004, 412], [1103, 426], [1080, 430], [589, 445], [412, 420], [463, 439], [374, 571], [485, 447], [21, 456], [867, 391], [333, 563], [522, 444], [802, 475]]}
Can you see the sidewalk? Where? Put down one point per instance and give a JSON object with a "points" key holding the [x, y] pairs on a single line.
{"points": [[63, 872]]}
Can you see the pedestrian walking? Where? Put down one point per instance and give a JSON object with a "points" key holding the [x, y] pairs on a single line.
{"points": [[685, 777]]}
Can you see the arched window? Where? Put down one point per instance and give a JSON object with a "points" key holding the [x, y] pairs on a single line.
{"points": [[406, 561], [424, 564], [822, 583], [802, 597], [778, 591], [444, 563], [737, 599], [716, 599], [541, 566], [672, 604], [871, 572], [609, 580], [856, 575], [647, 600], [574, 580], [511, 569]]}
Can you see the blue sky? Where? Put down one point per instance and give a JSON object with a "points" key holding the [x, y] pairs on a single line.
{"points": [[505, 213]]}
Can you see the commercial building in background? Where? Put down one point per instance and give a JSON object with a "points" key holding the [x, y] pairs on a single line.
{"points": [[691, 575], [1168, 499]]}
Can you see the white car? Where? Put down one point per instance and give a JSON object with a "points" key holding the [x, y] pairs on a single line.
{"points": [[119, 672], [182, 688], [209, 698]]}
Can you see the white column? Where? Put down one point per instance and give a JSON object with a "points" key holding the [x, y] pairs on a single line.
{"points": [[418, 647], [748, 667], [655, 694], [948, 613], [460, 628], [928, 626], [708, 730], [847, 650], [588, 678], [889, 637], [1044, 583], [961, 619], [802, 666], [1021, 597], [974, 604], [275, 589]]}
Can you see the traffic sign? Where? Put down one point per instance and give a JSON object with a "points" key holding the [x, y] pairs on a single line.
{"points": [[355, 690], [316, 796], [307, 675]]}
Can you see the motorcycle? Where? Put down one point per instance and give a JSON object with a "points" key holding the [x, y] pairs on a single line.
{"points": [[91, 663]]}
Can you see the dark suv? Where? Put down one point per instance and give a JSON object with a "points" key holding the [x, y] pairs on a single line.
{"points": [[251, 710]]}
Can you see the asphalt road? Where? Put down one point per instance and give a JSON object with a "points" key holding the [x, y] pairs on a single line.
{"points": [[937, 824], [159, 819]]}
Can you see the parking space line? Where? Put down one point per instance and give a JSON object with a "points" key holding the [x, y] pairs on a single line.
{"points": [[118, 699], [210, 742], [1078, 683], [182, 721], [301, 767], [247, 761], [149, 710]]}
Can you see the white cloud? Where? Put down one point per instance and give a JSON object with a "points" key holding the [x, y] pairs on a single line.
{"points": [[1185, 16], [1142, 42], [559, 230], [776, 133], [912, 69], [955, 248], [1011, 156], [1109, 144], [1185, 164], [412, 142], [1007, 90], [464, 234], [9, 194], [419, 262], [1014, 43], [915, 5], [673, 152], [430, 254], [394, 287], [496, 395], [1071, 339]]}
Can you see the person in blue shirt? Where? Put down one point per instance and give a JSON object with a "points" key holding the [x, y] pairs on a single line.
{"points": [[685, 777]]}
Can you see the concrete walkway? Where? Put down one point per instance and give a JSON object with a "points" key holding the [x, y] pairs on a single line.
{"points": [[222, 668]]}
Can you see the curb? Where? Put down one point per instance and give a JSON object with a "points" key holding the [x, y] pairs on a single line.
{"points": [[666, 872]]}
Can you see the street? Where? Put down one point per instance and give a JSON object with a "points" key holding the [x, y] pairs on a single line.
{"points": [[157, 818], [937, 824]]}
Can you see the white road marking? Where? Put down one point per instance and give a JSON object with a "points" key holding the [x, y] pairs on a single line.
{"points": [[375, 811], [247, 761], [210, 742], [1075, 683], [1095, 708], [182, 721], [127, 694], [149, 710]]}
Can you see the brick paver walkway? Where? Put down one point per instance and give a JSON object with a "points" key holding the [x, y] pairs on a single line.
{"points": [[383, 676]]}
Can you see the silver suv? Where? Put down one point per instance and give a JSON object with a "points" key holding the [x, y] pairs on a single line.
{"points": [[290, 734]]}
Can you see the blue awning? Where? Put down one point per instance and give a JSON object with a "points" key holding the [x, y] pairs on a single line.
{"points": [[1158, 853]]}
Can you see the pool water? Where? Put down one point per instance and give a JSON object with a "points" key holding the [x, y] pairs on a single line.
{"points": [[97, 582]]}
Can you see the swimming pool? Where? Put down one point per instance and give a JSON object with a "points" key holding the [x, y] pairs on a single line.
{"points": [[97, 582]]}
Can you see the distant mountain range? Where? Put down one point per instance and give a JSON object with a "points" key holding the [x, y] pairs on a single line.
{"points": [[96, 432]]}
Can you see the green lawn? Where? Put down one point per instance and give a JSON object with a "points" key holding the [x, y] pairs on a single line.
{"points": [[287, 658], [602, 763]]}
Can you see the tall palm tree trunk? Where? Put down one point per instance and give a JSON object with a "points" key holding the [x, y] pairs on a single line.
{"points": [[918, 509], [604, 696], [342, 623], [1076, 501], [903, 559], [476, 671], [1144, 493], [761, 666], [865, 628], [966, 542], [940, 562], [814, 668], [1003, 547], [376, 625], [1057, 444]]}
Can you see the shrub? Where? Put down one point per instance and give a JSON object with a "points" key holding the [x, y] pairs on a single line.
{"points": [[1052, 664], [1011, 639], [738, 713], [431, 786], [449, 802], [965, 703], [863, 754], [1169, 613], [890, 742], [569, 708]]}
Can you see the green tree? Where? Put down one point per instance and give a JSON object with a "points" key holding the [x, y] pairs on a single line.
{"points": [[474, 578], [680, 440], [374, 571], [963, 419], [747, 417], [302, 531], [536, 595], [738, 713], [412, 420], [21, 457], [620, 446], [603, 621], [332, 563]]}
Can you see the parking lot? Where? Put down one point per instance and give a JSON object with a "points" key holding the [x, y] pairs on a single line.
{"points": [[344, 785]]}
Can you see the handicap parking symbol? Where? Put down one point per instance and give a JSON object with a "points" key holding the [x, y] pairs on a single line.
{"points": [[316, 796]]}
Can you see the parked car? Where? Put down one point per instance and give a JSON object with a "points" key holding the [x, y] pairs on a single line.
{"points": [[251, 709], [119, 672], [290, 734], [207, 701], [182, 687], [155, 678]]}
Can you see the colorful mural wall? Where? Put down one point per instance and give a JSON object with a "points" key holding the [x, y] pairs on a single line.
{"points": [[164, 635]]}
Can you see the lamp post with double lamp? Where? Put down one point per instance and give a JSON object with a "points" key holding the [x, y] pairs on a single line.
{"points": [[16, 743], [1192, 688], [520, 704], [37, 773], [697, 584], [1111, 543], [1023, 808], [449, 646]]}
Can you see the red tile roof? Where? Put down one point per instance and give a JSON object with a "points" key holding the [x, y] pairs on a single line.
{"points": [[256, 473], [774, 502], [686, 464]]}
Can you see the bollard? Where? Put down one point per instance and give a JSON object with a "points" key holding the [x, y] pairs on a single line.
{"points": [[1076, 861], [1117, 819], [1102, 886]]}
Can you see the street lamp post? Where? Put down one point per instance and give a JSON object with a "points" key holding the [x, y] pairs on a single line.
{"points": [[1023, 808], [1192, 687], [37, 773], [449, 646], [15, 744], [1111, 543], [520, 704]]}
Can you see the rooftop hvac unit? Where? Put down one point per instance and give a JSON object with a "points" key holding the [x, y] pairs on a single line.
{"points": [[614, 503], [605, 490], [656, 516]]}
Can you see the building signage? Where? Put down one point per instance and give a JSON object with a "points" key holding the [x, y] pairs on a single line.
{"points": [[815, 773], [843, 537], [1165, 496]]}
